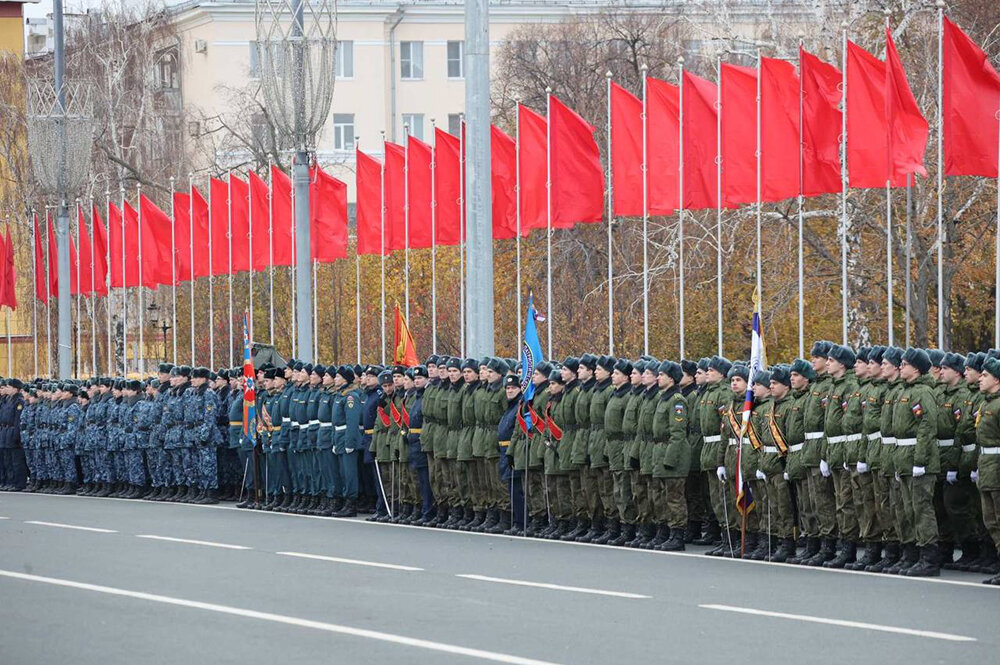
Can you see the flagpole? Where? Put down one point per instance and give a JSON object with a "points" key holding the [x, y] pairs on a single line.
{"points": [[996, 310], [760, 285], [645, 218], [250, 257], [406, 219], [718, 201], [270, 251], [142, 350], [107, 278], [229, 248], [517, 216], [291, 271], [942, 239], [610, 188], [34, 281], [121, 191], [802, 341], [548, 217], [382, 248], [357, 300], [191, 248], [888, 221], [434, 338], [93, 292], [461, 214], [315, 291], [907, 271], [843, 188], [211, 279], [173, 270], [680, 199], [78, 290], [48, 292]]}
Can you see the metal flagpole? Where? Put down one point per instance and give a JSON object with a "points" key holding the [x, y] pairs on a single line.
{"points": [[645, 217], [191, 248], [121, 191], [996, 310], [357, 300], [292, 273], [173, 270], [548, 216], [802, 345], [250, 256], [34, 281], [760, 291], [888, 224], [718, 202], [211, 279], [941, 231], [843, 188], [382, 248], [79, 325], [909, 238], [270, 251], [142, 351], [680, 198], [434, 329], [229, 253], [517, 214], [107, 258], [48, 291], [315, 312], [406, 220], [610, 188], [93, 292], [461, 235]]}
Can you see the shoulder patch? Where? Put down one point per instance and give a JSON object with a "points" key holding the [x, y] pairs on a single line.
{"points": [[350, 401], [679, 408]]}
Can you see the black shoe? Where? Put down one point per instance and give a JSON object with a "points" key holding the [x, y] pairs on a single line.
{"points": [[785, 551], [627, 534], [492, 519], [809, 550], [927, 566], [995, 580], [199, 497], [826, 553], [889, 558], [988, 562], [711, 535], [970, 551], [868, 557], [848, 552], [675, 543], [503, 525], [611, 533], [581, 528], [766, 547], [693, 532], [104, 491], [595, 531], [349, 509], [908, 559], [660, 536]]}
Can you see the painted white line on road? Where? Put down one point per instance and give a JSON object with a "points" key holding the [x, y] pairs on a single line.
{"points": [[206, 543], [353, 562], [843, 623], [71, 526], [556, 587], [4, 518], [287, 620]]}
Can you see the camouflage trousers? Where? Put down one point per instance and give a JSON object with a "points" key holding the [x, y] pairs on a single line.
{"points": [[578, 492], [86, 467], [843, 491], [499, 490], [561, 496], [135, 470], [640, 496], [824, 505], [590, 484], [696, 493], [156, 460], [777, 514], [902, 517], [622, 490], [181, 467], [207, 466], [991, 514], [669, 504], [535, 493], [863, 494], [961, 505], [884, 519], [101, 466], [66, 461], [918, 501]]}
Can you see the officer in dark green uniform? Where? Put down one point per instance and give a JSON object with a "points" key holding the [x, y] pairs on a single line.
{"points": [[865, 474], [614, 436], [801, 375], [842, 431], [671, 459], [987, 475], [601, 503], [778, 419], [713, 403]]}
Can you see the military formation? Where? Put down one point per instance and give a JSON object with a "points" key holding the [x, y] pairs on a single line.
{"points": [[881, 459]]}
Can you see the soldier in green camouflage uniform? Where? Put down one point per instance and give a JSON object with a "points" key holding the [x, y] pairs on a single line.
{"points": [[671, 459], [888, 503], [821, 491], [951, 499], [641, 458], [714, 400], [865, 472], [559, 444], [601, 504], [696, 487], [725, 458], [981, 555], [630, 430], [527, 452], [614, 434], [460, 508], [778, 417], [801, 374], [753, 449], [583, 484], [987, 475], [468, 467]]}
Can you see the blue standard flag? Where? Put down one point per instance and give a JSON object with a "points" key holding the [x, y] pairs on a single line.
{"points": [[531, 355]]}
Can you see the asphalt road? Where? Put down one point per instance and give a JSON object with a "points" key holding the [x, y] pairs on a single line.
{"points": [[167, 583]]}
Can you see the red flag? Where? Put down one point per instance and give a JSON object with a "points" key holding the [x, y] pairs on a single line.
{"points": [[116, 232], [404, 350], [821, 124], [327, 216], [99, 250], [577, 182], [182, 236], [131, 245], [281, 217], [239, 234], [662, 152], [218, 225], [700, 136], [74, 267], [260, 217], [447, 188], [908, 128], [779, 130], [503, 175], [3, 269], [53, 260], [739, 134], [626, 152], [41, 293], [369, 205], [10, 274], [85, 255], [533, 157], [418, 176], [971, 105], [156, 244], [395, 197]]}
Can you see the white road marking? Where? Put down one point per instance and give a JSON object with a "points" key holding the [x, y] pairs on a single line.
{"points": [[72, 526], [556, 587], [287, 620], [353, 562], [206, 543], [843, 623], [4, 518]]}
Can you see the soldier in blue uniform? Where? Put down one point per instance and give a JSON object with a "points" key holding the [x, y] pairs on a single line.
{"points": [[278, 472], [415, 384], [201, 407], [321, 410], [70, 426], [13, 472], [174, 442], [347, 439], [29, 436], [95, 438], [133, 441], [370, 396], [156, 455], [83, 457]]}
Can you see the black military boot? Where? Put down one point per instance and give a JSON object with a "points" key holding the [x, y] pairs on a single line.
{"points": [[472, 517], [503, 524], [848, 551], [868, 557], [566, 527], [785, 551], [675, 543], [456, 517], [970, 550], [660, 536], [611, 533], [531, 529], [693, 531], [887, 558], [987, 560], [440, 517], [199, 497], [627, 535], [644, 535], [744, 550], [995, 580], [350, 509], [582, 525], [927, 566], [492, 519], [595, 530], [155, 494], [766, 546], [826, 553], [908, 558], [210, 498], [711, 535]]}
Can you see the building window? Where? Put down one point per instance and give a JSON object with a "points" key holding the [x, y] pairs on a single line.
{"points": [[416, 123], [343, 131], [411, 60], [345, 59], [167, 70], [455, 124], [455, 57]]}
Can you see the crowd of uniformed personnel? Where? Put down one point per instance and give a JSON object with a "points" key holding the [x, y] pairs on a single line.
{"points": [[881, 460]]}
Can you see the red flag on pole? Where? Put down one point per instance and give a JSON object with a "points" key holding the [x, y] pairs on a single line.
{"points": [[908, 129], [503, 176], [41, 292], [779, 130], [626, 152], [85, 255], [100, 253], [404, 350], [447, 188], [116, 232], [240, 233], [533, 157], [53, 260], [369, 206], [577, 181], [327, 216], [395, 197], [418, 175], [700, 136], [260, 216], [155, 244], [219, 226], [821, 124], [971, 107], [3, 269], [281, 216], [74, 267], [131, 245], [739, 134], [10, 274], [662, 152]]}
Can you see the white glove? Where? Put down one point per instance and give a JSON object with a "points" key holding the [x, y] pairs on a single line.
{"points": [[824, 468], [846, 468], [862, 467], [721, 472], [974, 476], [348, 450], [918, 471], [761, 475], [897, 477], [951, 477], [785, 475]]}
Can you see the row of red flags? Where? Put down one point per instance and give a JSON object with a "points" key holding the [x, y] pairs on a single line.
{"points": [[8, 273], [413, 197]]}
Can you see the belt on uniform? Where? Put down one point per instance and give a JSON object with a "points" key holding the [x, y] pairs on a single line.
{"points": [[504, 444], [313, 422], [906, 442], [286, 420], [946, 443], [968, 448], [732, 441], [415, 430], [326, 424], [338, 428], [834, 439], [794, 448], [875, 436], [854, 437], [773, 450], [713, 439], [234, 423], [303, 425], [813, 435], [889, 440], [369, 431], [995, 450]]}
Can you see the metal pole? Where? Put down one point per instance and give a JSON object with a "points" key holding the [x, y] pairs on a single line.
{"points": [[93, 291], [802, 342], [996, 293], [645, 217], [303, 295], [291, 271], [434, 329], [48, 288], [142, 310], [610, 188], [680, 199], [107, 258], [760, 289], [229, 255], [406, 221], [548, 217], [517, 217], [191, 248], [173, 270], [121, 192], [942, 237], [250, 255], [62, 216], [357, 302], [461, 238], [315, 313], [843, 187], [382, 248], [477, 103], [718, 202], [211, 278], [77, 355], [34, 281], [270, 251], [909, 202], [888, 221]]}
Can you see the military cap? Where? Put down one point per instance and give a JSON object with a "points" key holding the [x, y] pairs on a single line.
{"points": [[954, 361], [511, 380], [135, 385], [763, 377], [72, 390], [419, 370], [803, 368], [842, 354], [297, 366], [431, 360], [975, 361], [936, 356], [399, 369], [265, 367], [556, 377], [164, 368], [820, 349], [358, 369], [720, 364], [318, 370], [16, 384], [607, 362], [672, 369], [992, 366], [993, 353], [689, 367], [117, 385], [544, 368], [624, 366], [200, 373], [270, 373], [875, 355], [862, 354], [893, 355], [307, 368], [470, 363], [497, 365], [373, 370], [345, 371], [572, 364], [588, 360], [703, 364], [740, 370], [918, 358], [782, 374], [454, 363], [385, 377], [513, 365], [213, 376]]}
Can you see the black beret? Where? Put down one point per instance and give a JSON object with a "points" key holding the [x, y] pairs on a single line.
{"points": [[917, 358], [572, 364]]}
